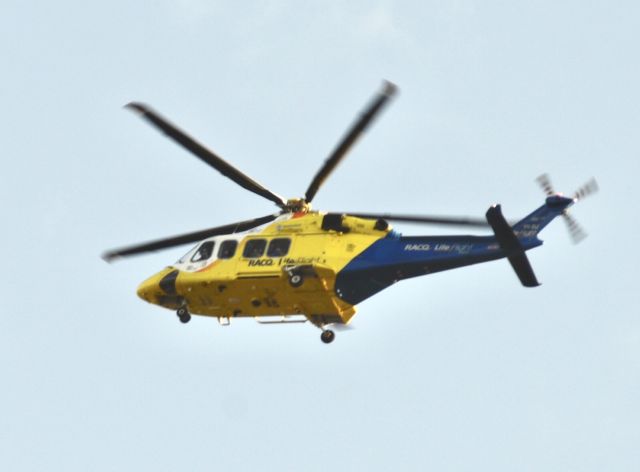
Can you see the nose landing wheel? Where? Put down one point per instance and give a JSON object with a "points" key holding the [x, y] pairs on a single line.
{"points": [[327, 336], [183, 315]]}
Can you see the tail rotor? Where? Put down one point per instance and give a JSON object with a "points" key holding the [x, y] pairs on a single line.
{"points": [[575, 230], [587, 189], [545, 183]]}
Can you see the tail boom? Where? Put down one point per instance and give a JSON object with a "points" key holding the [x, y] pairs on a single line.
{"points": [[529, 227], [395, 257]]}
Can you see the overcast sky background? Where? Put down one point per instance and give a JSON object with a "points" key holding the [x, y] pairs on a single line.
{"points": [[464, 370]]}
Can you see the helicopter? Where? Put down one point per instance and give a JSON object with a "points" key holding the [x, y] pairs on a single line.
{"points": [[302, 265]]}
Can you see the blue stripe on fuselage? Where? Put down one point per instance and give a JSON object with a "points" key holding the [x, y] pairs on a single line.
{"points": [[395, 258]]}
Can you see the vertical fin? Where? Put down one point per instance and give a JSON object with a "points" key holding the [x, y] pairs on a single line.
{"points": [[511, 245]]}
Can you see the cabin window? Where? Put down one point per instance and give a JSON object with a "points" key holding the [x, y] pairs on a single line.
{"points": [[227, 249], [204, 252], [254, 248], [278, 247]]}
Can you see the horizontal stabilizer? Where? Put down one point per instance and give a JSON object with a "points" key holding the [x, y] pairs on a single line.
{"points": [[520, 263], [509, 243]]}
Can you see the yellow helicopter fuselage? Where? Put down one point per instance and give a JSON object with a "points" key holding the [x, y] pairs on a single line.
{"points": [[287, 268]]}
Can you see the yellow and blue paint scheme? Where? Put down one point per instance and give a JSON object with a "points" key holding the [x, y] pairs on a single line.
{"points": [[340, 260]]}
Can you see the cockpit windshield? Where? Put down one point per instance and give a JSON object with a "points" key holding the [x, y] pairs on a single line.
{"points": [[204, 251], [185, 258]]}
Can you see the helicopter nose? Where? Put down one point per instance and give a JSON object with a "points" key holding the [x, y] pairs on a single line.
{"points": [[159, 286]]}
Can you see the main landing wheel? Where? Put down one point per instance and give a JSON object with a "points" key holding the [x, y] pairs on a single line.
{"points": [[296, 280], [327, 336], [183, 315]]}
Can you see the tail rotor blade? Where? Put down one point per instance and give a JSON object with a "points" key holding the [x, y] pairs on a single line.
{"points": [[545, 182], [575, 230], [587, 189]]}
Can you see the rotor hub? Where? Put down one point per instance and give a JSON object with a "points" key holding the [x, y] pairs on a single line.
{"points": [[297, 205]]}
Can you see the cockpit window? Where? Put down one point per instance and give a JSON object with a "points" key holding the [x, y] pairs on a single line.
{"points": [[227, 249], [204, 252], [185, 258], [254, 248], [278, 247]]}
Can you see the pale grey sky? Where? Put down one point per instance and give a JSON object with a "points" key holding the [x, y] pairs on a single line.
{"points": [[463, 371]]}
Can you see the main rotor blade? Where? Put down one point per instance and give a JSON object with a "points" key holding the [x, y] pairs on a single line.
{"points": [[436, 220], [203, 153], [388, 90], [178, 240]]}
